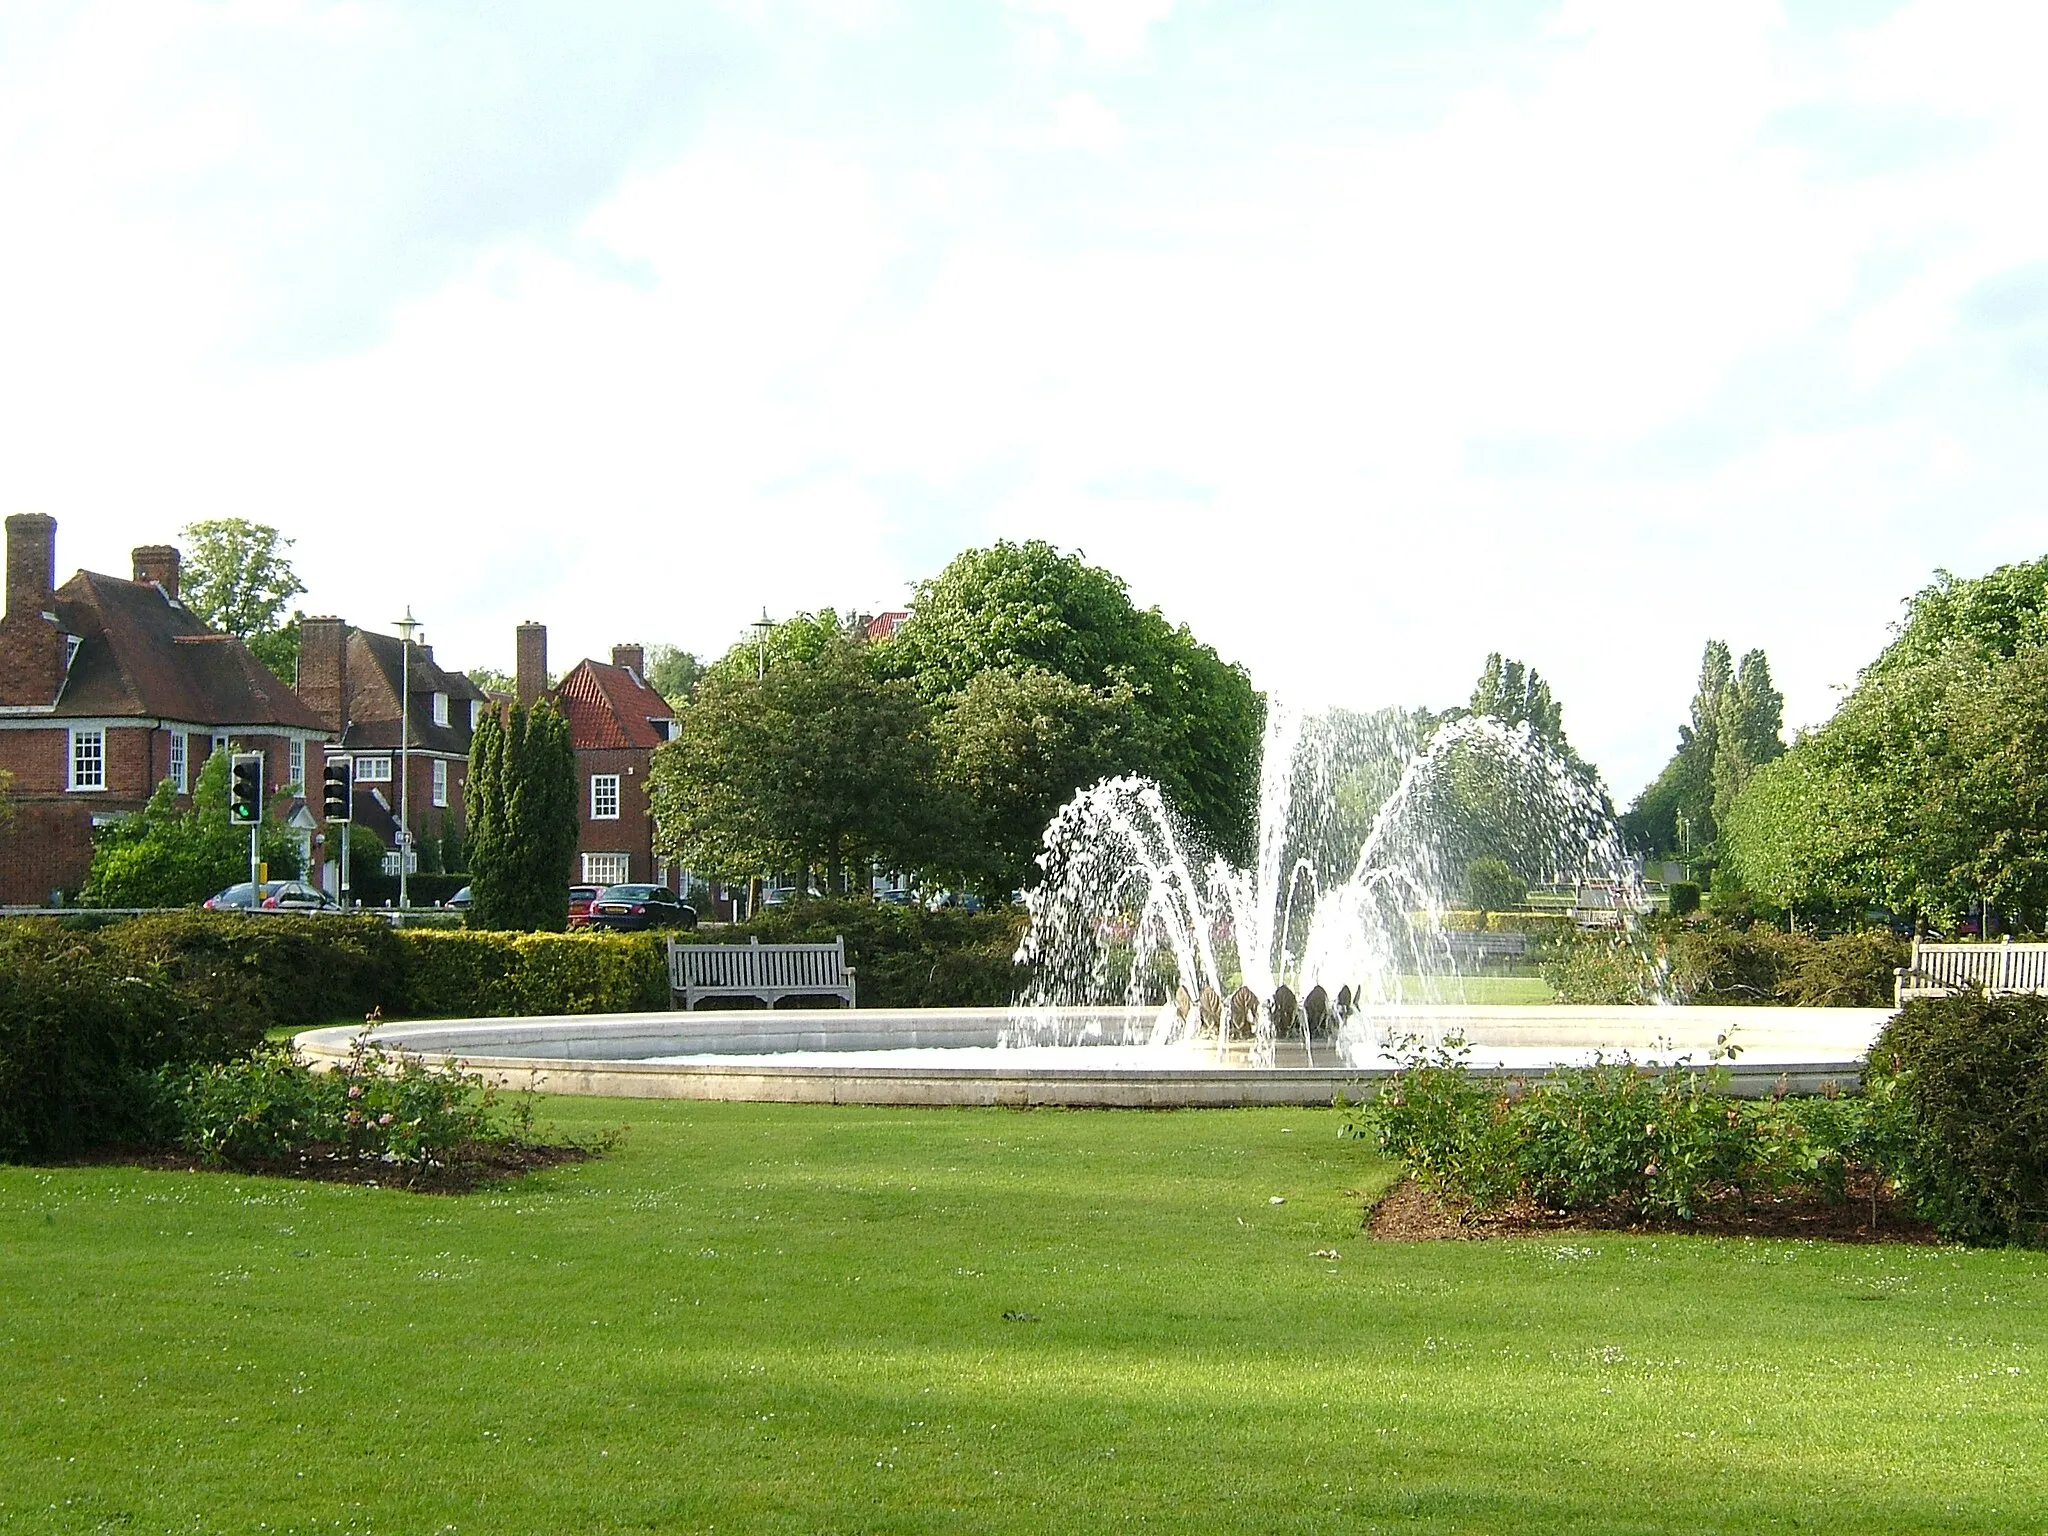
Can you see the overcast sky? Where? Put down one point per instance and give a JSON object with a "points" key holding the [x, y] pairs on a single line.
{"points": [[1363, 338]]}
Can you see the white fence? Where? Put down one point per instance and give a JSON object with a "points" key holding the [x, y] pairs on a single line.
{"points": [[1940, 969]]}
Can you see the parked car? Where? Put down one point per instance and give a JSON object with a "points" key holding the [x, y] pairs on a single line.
{"points": [[580, 898], [632, 908], [460, 901], [277, 896]]}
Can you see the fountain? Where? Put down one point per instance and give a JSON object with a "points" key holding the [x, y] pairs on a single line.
{"points": [[1165, 975], [1364, 824]]}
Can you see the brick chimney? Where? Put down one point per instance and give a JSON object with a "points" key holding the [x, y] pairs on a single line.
{"points": [[31, 642], [530, 662], [631, 657], [157, 564], [323, 670]]}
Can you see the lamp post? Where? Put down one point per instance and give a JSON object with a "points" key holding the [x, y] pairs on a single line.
{"points": [[407, 628], [760, 627]]}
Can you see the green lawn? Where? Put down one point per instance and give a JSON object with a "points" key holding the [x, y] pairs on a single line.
{"points": [[760, 1318]]}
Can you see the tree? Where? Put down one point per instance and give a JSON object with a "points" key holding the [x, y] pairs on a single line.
{"points": [[1514, 694], [162, 856], [1192, 721], [523, 823], [237, 580], [1736, 727], [820, 763], [673, 673], [1013, 746], [492, 681], [1492, 887], [1928, 790]]}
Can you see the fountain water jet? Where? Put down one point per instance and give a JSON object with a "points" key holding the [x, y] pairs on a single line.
{"points": [[1364, 826]]}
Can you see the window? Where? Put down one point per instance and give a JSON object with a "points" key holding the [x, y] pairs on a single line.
{"points": [[222, 744], [440, 781], [605, 868], [440, 709], [296, 772], [476, 712], [89, 759], [177, 773], [604, 797], [373, 770]]}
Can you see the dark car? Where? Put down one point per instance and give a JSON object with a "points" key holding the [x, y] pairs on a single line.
{"points": [[580, 898], [461, 901], [277, 896], [631, 908]]}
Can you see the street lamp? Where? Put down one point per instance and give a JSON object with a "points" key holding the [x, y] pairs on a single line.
{"points": [[407, 628], [760, 627]]}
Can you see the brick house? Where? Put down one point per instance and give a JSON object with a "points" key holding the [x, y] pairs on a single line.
{"points": [[354, 682], [615, 722], [107, 688]]}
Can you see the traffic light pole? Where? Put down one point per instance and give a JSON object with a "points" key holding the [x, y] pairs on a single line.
{"points": [[344, 866], [255, 871]]}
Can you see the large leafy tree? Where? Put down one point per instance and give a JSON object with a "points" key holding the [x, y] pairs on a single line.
{"points": [[817, 762], [1029, 612], [236, 578], [523, 824], [1928, 790], [164, 856]]}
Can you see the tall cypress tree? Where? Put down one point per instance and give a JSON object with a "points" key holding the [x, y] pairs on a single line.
{"points": [[484, 797], [522, 819]]}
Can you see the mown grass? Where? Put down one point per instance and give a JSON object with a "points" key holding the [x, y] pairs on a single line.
{"points": [[762, 1318]]}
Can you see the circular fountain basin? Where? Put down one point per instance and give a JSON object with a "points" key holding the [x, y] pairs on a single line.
{"points": [[965, 1056]]}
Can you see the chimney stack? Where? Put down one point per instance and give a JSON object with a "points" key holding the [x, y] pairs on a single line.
{"points": [[158, 564], [31, 646], [323, 670], [633, 658], [530, 662]]}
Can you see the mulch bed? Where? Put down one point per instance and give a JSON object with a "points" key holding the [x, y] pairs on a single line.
{"points": [[473, 1167], [1407, 1213]]}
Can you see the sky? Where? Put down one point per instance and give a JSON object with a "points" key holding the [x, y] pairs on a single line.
{"points": [[1362, 339]]}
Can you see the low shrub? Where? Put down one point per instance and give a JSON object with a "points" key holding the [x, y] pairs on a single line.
{"points": [[266, 1108], [903, 957], [1662, 1143], [1684, 898], [1718, 964], [1969, 1075], [260, 972]]}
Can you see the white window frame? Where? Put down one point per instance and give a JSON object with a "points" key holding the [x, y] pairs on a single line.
{"points": [[440, 709], [476, 712], [178, 773], [221, 744], [599, 784], [440, 781], [607, 868], [295, 759], [87, 748], [377, 771]]}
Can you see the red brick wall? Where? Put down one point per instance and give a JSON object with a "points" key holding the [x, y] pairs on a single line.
{"points": [[633, 833]]}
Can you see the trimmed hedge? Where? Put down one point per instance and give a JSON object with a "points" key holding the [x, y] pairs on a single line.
{"points": [[479, 975], [1970, 1077], [903, 957], [1722, 965]]}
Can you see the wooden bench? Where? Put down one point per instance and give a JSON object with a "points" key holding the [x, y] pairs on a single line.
{"points": [[1469, 944], [1937, 970], [770, 972]]}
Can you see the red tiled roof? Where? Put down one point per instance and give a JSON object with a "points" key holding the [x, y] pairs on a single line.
{"points": [[608, 706], [141, 654], [883, 625]]}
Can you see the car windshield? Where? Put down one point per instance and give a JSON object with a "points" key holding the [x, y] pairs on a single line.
{"points": [[628, 893]]}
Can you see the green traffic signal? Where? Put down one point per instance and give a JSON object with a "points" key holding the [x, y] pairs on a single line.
{"points": [[245, 794]]}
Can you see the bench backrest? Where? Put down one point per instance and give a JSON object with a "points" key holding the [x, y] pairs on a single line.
{"points": [[2006, 967], [791, 966]]}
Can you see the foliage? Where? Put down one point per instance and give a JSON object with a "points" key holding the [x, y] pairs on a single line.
{"points": [[1716, 963], [236, 579], [1684, 898], [1187, 718], [1512, 693], [821, 763], [490, 975], [1970, 1077], [521, 800], [378, 1106], [1601, 969], [1490, 885], [673, 673], [164, 856], [1928, 790], [904, 957], [1663, 1143], [1736, 727]]}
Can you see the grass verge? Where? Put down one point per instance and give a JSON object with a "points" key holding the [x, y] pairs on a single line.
{"points": [[769, 1318]]}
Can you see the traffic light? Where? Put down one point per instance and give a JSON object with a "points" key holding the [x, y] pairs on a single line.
{"points": [[341, 789], [245, 791]]}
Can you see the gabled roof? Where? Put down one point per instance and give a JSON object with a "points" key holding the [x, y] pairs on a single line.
{"points": [[609, 706], [377, 673], [140, 653]]}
